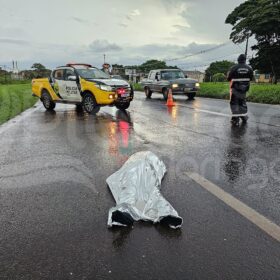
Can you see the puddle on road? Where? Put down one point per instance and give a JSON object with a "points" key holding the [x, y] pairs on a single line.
{"points": [[120, 134]]}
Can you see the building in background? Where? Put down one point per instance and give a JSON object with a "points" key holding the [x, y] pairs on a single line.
{"points": [[262, 78], [15, 72], [197, 75], [118, 70]]}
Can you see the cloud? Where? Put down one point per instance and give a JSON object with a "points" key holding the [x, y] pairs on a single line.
{"points": [[135, 13], [103, 46], [132, 40], [179, 26], [129, 17], [80, 20], [13, 32], [205, 18], [122, 24], [13, 41]]}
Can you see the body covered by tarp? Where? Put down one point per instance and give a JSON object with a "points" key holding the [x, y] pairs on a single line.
{"points": [[136, 190]]}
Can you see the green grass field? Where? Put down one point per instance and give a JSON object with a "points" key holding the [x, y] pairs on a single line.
{"points": [[8, 81], [14, 99], [259, 93]]}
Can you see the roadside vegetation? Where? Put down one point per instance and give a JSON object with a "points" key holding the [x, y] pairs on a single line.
{"points": [[259, 93], [8, 81], [14, 99], [137, 87]]}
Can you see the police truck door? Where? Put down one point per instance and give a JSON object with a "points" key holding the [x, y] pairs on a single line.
{"points": [[70, 90]]}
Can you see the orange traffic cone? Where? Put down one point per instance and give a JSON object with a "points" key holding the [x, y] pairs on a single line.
{"points": [[170, 101]]}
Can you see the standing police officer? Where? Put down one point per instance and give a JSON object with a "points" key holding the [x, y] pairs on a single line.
{"points": [[240, 76]]}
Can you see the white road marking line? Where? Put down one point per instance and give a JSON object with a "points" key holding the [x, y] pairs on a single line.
{"points": [[213, 112], [220, 114], [256, 218], [225, 115]]}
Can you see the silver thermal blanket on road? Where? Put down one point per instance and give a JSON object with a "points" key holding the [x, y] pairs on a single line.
{"points": [[136, 190]]}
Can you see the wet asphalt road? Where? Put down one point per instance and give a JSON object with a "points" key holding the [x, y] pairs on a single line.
{"points": [[54, 201]]}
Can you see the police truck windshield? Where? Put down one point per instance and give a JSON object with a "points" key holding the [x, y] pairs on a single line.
{"points": [[92, 73]]}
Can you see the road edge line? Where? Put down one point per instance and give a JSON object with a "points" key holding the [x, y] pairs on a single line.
{"points": [[250, 214]]}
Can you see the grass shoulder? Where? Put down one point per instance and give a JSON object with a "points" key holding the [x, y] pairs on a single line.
{"points": [[15, 99], [259, 93]]}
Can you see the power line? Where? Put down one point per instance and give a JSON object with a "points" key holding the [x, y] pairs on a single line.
{"points": [[209, 61], [212, 59], [198, 53], [190, 55], [204, 65]]}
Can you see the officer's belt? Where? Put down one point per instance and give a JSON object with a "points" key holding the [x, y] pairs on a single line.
{"points": [[241, 80]]}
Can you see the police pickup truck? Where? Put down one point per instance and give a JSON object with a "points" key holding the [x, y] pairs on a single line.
{"points": [[83, 85], [162, 80]]}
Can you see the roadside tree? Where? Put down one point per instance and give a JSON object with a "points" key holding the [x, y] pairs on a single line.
{"points": [[218, 67], [219, 77], [154, 64], [259, 19], [40, 70]]}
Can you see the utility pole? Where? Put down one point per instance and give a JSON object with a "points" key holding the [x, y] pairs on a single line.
{"points": [[104, 58], [246, 50]]}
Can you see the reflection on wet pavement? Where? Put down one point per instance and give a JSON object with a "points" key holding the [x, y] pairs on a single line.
{"points": [[235, 156], [119, 134], [173, 112], [114, 129]]}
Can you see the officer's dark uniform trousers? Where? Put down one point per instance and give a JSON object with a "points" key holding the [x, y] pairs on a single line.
{"points": [[238, 99]]}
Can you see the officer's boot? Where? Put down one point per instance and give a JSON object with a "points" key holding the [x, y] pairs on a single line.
{"points": [[235, 120], [244, 119]]}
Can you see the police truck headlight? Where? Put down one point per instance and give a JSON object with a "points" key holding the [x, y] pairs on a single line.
{"points": [[197, 84], [106, 88], [175, 85]]}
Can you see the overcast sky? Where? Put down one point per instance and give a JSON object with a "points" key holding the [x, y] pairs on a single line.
{"points": [[54, 32]]}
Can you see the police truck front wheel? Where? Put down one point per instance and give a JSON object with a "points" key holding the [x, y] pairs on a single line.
{"points": [[89, 104], [47, 101], [123, 106]]}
